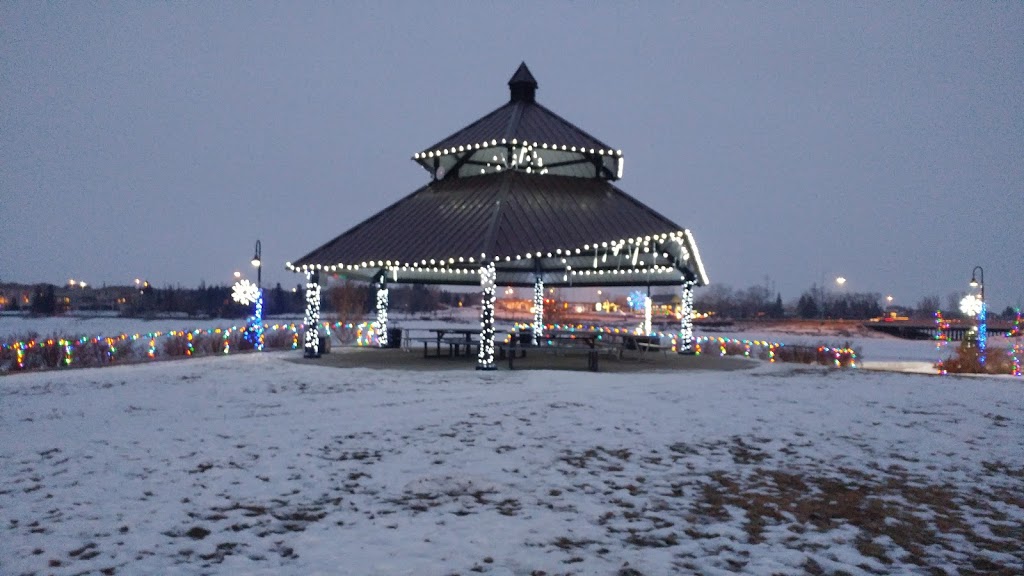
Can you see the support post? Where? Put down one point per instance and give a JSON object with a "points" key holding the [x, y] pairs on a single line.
{"points": [[382, 310], [538, 309], [485, 357], [982, 332], [686, 319], [647, 312], [311, 341]]}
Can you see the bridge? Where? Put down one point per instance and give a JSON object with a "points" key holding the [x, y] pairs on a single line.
{"points": [[955, 330]]}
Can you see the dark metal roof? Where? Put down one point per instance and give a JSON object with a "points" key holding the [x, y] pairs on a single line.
{"points": [[523, 85], [521, 119], [454, 224], [524, 121]]}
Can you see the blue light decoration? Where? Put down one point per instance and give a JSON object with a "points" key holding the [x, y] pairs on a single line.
{"points": [[982, 333], [254, 332], [636, 300]]}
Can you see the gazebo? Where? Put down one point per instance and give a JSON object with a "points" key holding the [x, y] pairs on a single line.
{"points": [[520, 197]]}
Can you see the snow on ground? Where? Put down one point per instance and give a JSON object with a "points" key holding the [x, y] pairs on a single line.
{"points": [[262, 464]]}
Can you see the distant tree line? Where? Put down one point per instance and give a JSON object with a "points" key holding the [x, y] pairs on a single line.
{"points": [[348, 298], [817, 303], [753, 302]]}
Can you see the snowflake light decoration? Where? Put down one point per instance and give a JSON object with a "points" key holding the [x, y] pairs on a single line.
{"points": [[971, 305], [636, 300], [245, 292]]}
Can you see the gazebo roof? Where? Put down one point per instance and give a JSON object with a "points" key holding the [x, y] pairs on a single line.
{"points": [[565, 148], [536, 211]]}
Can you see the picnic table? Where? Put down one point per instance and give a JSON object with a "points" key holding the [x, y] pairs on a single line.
{"points": [[455, 338]]}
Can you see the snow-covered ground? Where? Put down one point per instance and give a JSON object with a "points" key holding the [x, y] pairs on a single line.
{"points": [[258, 464]]}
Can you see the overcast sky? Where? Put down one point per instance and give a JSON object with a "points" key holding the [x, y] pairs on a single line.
{"points": [[882, 142]]}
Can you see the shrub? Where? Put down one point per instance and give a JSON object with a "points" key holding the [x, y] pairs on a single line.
{"points": [[967, 360]]}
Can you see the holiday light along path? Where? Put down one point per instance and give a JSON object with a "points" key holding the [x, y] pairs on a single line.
{"points": [[64, 352], [58, 352]]}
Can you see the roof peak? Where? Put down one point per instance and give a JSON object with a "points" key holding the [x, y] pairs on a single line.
{"points": [[522, 85]]}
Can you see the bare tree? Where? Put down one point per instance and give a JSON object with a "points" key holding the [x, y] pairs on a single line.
{"points": [[348, 301], [927, 306]]}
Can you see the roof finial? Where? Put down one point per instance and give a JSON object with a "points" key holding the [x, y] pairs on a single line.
{"points": [[522, 85]]}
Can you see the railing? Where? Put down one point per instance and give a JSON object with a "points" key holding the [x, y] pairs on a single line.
{"points": [[844, 356]]}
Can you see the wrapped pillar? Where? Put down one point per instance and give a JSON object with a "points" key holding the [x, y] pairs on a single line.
{"points": [[311, 323], [538, 309], [485, 358], [382, 310], [648, 303], [686, 319]]}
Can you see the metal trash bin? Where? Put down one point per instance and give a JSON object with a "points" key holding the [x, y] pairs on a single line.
{"points": [[394, 338], [325, 344]]}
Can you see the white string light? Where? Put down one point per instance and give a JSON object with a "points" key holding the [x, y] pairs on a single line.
{"points": [[382, 314], [538, 309], [682, 239], [485, 357], [311, 344], [686, 319], [647, 315]]}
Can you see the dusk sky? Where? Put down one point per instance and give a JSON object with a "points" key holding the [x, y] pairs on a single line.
{"points": [[881, 142]]}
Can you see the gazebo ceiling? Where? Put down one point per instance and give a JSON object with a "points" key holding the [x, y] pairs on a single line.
{"points": [[534, 209]]}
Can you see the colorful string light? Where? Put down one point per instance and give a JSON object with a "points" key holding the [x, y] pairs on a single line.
{"points": [[67, 352]]}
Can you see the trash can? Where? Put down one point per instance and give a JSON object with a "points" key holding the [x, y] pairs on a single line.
{"points": [[325, 344], [394, 338]]}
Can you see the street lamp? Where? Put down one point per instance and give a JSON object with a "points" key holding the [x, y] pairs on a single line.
{"points": [[256, 262], [840, 280], [978, 280]]}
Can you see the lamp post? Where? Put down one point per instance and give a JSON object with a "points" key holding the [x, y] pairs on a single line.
{"points": [[257, 262], [257, 317], [978, 280]]}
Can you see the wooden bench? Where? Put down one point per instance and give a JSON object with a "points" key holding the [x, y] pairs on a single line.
{"points": [[512, 351], [456, 343]]}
